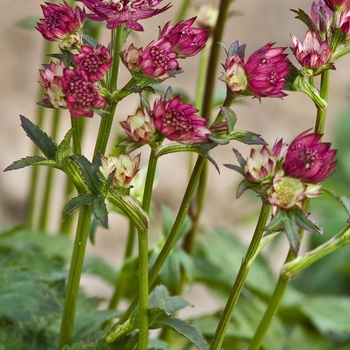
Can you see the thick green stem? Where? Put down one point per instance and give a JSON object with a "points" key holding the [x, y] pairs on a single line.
{"points": [[247, 262], [107, 120], [75, 270], [322, 112]]}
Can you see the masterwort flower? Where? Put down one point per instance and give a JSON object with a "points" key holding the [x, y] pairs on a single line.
{"points": [[337, 4], [82, 95], [128, 12], [122, 167], [93, 61], [139, 127], [322, 16], [312, 53], [63, 24], [308, 159], [179, 122]]}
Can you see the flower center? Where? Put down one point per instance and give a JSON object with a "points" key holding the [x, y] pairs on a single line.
{"points": [[160, 57], [82, 90], [91, 63], [53, 21], [178, 120]]}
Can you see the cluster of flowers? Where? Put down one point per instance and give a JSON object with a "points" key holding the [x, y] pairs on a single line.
{"points": [[287, 175], [73, 85], [329, 30]]}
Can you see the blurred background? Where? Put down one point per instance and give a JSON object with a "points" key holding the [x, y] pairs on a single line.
{"points": [[252, 22]]}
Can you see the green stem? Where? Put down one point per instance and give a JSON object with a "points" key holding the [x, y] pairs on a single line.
{"points": [[76, 136], [75, 270], [49, 177], [183, 10], [107, 121], [322, 112], [247, 262]]}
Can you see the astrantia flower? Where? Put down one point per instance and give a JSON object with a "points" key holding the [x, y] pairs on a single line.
{"points": [[139, 127], [286, 192], [93, 61], [52, 82], [179, 122], [62, 23], [312, 52], [322, 16], [309, 159], [266, 70], [235, 75], [186, 40], [337, 4], [123, 168], [159, 60], [132, 57], [82, 95], [343, 21], [128, 12]]}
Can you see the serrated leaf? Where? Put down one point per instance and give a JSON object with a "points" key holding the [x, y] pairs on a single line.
{"points": [[303, 222], [230, 118], [276, 222], [304, 17], [40, 138], [90, 174], [157, 317], [64, 149], [100, 212], [188, 330], [247, 137], [77, 202], [292, 231], [33, 160]]}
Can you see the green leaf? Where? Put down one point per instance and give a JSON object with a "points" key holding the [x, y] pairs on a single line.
{"points": [[292, 231], [276, 222], [230, 118], [91, 41], [303, 16], [40, 138], [219, 139], [247, 137], [64, 149], [89, 172], [99, 210], [157, 317], [23, 296], [303, 222], [77, 202], [34, 160], [189, 331], [343, 200], [29, 22], [242, 162]]}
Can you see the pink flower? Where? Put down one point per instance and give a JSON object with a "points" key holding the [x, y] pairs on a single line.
{"points": [[322, 16], [343, 21], [129, 12], [62, 23], [186, 40], [179, 122], [139, 127], [159, 60], [52, 82], [81, 94], [312, 52], [123, 168], [266, 70], [337, 4], [132, 58], [93, 61], [309, 159]]}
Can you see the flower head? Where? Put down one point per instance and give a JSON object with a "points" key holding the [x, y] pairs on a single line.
{"points": [[82, 95], [322, 16], [179, 122], [93, 61], [266, 70], [235, 75], [309, 159], [186, 40], [132, 57], [286, 192], [312, 52], [139, 127], [159, 60], [128, 12], [123, 168], [62, 23], [337, 4]]}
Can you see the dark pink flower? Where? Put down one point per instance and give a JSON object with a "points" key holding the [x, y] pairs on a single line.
{"points": [[179, 122], [309, 159], [52, 82], [337, 4], [186, 40], [159, 60], [82, 95], [62, 23], [128, 12], [93, 61], [266, 70], [343, 21], [312, 53]]}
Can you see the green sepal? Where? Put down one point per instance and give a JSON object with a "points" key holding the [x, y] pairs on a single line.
{"points": [[89, 172], [66, 57], [338, 39], [276, 223], [242, 162], [292, 230], [303, 222], [34, 160], [219, 139], [304, 17], [230, 118], [77, 202], [247, 137], [294, 72], [90, 41], [99, 210], [131, 208], [242, 187], [40, 138]]}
